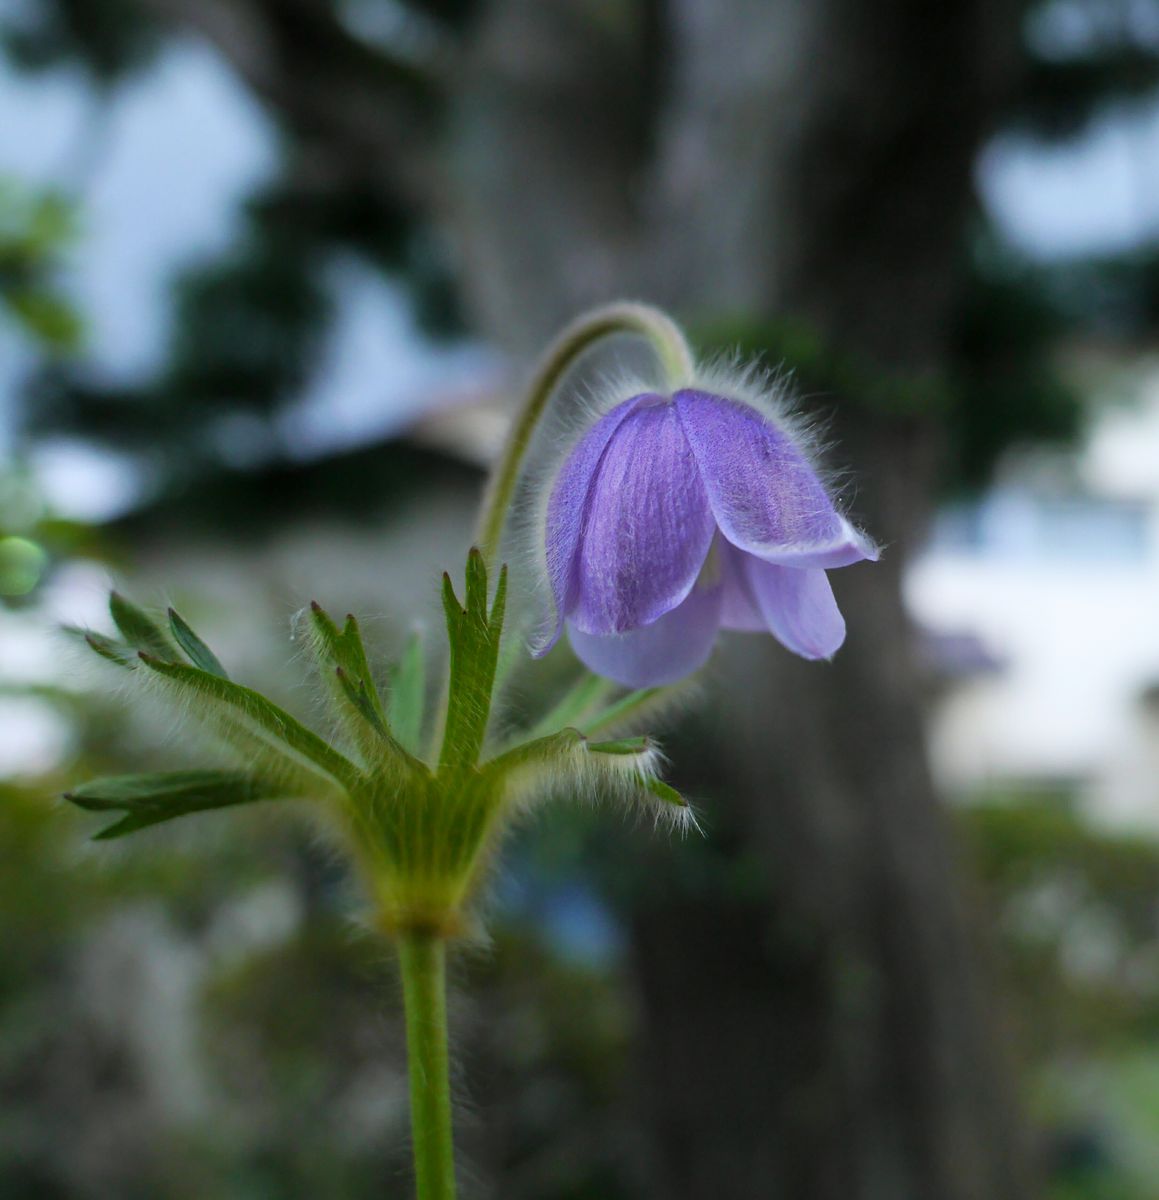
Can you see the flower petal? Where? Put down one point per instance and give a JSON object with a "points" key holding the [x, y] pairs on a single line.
{"points": [[765, 496], [798, 607], [565, 516], [739, 609], [647, 527], [661, 653]]}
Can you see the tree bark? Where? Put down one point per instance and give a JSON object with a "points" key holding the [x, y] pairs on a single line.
{"points": [[831, 1040]]}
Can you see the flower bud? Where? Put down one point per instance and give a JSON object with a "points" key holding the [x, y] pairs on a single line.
{"points": [[674, 516]]}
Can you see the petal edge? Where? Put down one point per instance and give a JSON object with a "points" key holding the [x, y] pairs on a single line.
{"points": [[798, 606], [765, 495]]}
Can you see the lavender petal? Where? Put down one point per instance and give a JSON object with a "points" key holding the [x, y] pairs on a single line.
{"points": [[798, 607], [647, 526], [764, 494], [739, 608], [566, 511], [661, 653]]}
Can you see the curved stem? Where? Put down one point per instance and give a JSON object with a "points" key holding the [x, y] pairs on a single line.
{"points": [[424, 983], [640, 320]]}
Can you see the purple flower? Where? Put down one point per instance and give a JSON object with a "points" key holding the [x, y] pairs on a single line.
{"points": [[674, 517]]}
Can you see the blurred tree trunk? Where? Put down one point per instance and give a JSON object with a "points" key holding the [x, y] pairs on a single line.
{"points": [[762, 158], [811, 160]]}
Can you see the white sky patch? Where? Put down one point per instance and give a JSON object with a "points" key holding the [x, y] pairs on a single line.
{"points": [[34, 736], [158, 172], [82, 483], [1067, 29], [1098, 194], [77, 593], [1123, 456], [182, 146], [378, 372]]}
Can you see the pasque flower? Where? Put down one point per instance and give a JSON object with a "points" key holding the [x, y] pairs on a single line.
{"points": [[673, 515], [678, 515]]}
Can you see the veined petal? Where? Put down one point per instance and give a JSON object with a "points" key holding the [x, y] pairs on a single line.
{"points": [[661, 653], [765, 496], [798, 607], [647, 527], [566, 512]]}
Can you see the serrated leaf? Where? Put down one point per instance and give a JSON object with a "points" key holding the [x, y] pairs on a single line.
{"points": [[476, 585], [498, 605], [155, 798], [257, 716], [198, 652], [408, 695], [139, 629], [343, 648], [358, 698], [474, 635]]}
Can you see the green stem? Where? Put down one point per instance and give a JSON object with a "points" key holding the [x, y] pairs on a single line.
{"points": [[424, 983], [640, 320]]}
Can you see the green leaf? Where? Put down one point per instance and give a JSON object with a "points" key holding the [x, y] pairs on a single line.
{"points": [[474, 635], [241, 709], [665, 792], [499, 606], [343, 648], [551, 762], [359, 699], [152, 799], [623, 746], [556, 749], [408, 695], [114, 651], [48, 316], [198, 652], [357, 702], [139, 629]]}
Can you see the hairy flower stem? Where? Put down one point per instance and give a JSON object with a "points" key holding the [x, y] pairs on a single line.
{"points": [[637, 320], [424, 982]]}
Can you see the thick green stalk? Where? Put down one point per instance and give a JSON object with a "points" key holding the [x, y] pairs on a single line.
{"points": [[424, 982], [639, 320]]}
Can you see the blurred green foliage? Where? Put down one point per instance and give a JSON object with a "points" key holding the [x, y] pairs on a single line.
{"points": [[36, 228], [306, 1063], [33, 540], [1074, 915], [108, 39]]}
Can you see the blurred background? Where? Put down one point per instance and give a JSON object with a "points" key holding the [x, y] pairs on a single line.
{"points": [[270, 274]]}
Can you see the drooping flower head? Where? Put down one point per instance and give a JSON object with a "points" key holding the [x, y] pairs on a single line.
{"points": [[677, 515]]}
